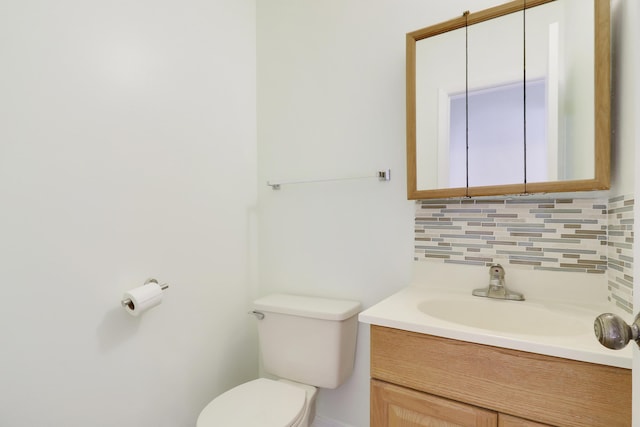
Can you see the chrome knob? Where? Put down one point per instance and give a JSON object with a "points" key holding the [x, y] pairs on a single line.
{"points": [[614, 333]]}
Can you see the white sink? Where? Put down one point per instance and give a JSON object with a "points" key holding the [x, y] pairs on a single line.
{"points": [[517, 317], [559, 328]]}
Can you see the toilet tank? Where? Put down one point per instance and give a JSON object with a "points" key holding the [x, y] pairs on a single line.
{"points": [[307, 339]]}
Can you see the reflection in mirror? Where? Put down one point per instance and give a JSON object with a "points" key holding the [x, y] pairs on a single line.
{"points": [[438, 79], [565, 27], [450, 112], [496, 125], [496, 114], [563, 31]]}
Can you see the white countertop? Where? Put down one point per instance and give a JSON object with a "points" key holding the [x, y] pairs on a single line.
{"points": [[400, 311]]}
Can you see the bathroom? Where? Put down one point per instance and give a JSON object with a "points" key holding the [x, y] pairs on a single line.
{"points": [[137, 140]]}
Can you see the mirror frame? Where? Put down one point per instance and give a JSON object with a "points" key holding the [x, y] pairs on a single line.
{"points": [[602, 110]]}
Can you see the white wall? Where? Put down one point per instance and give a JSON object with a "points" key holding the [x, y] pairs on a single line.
{"points": [[331, 103], [624, 36], [127, 150]]}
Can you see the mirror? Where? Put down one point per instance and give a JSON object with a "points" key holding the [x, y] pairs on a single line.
{"points": [[510, 100]]}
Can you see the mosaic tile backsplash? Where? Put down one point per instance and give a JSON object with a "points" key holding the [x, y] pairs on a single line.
{"points": [[565, 235], [620, 252]]}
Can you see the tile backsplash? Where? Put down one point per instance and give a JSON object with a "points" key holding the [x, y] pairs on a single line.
{"points": [[620, 252], [565, 235]]}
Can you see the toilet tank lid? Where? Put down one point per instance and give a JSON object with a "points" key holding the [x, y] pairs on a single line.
{"points": [[314, 307]]}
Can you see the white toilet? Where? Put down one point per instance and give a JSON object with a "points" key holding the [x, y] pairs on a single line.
{"points": [[307, 342]]}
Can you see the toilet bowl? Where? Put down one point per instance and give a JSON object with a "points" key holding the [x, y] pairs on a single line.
{"points": [[306, 342], [261, 403]]}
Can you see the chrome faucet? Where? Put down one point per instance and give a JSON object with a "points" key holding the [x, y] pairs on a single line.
{"points": [[497, 288]]}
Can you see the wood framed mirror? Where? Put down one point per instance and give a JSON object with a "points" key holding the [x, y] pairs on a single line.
{"points": [[525, 86]]}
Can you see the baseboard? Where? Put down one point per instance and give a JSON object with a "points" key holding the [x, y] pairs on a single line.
{"points": [[321, 421]]}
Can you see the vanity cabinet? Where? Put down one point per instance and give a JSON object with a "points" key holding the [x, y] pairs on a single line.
{"points": [[421, 380]]}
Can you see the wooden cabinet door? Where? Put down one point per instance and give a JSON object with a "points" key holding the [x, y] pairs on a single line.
{"points": [[509, 421], [395, 406]]}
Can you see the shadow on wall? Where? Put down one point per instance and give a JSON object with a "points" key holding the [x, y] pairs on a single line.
{"points": [[116, 327]]}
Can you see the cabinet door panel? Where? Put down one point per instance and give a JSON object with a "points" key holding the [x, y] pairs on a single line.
{"points": [[394, 406]]}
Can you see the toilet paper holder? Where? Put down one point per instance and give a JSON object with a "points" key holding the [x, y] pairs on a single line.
{"points": [[128, 303]]}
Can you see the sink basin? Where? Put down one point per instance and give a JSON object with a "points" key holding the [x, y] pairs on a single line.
{"points": [[517, 317], [561, 328]]}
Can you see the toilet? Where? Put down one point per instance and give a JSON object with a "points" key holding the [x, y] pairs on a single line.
{"points": [[306, 343]]}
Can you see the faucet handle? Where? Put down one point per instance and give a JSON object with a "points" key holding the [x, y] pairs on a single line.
{"points": [[497, 288]]}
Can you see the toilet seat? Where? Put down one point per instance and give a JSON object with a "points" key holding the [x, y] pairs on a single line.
{"points": [[259, 403]]}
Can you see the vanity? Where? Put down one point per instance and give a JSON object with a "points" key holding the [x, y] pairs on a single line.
{"points": [[441, 357], [428, 370]]}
